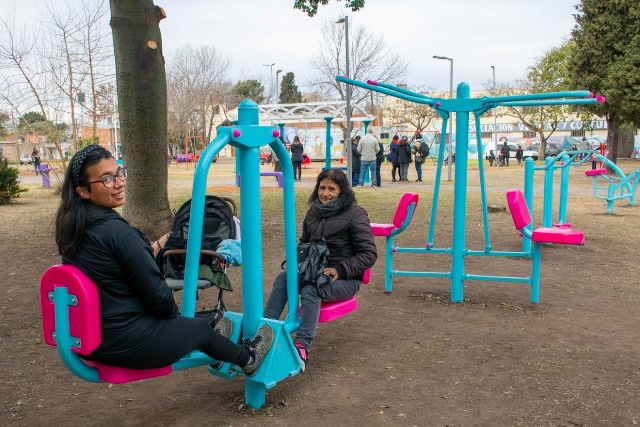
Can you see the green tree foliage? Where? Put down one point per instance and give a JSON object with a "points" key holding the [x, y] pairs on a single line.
{"points": [[4, 119], [251, 89], [548, 74], [310, 7], [32, 117], [9, 188], [289, 93], [605, 61]]}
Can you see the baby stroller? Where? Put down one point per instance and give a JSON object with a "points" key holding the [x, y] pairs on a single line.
{"points": [[219, 223]]}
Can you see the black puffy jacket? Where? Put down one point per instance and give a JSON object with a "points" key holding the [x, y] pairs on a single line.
{"points": [[134, 297], [348, 235]]}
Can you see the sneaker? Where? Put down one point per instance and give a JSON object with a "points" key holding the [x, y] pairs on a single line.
{"points": [[373, 186], [362, 186], [258, 347], [224, 327], [303, 354]]}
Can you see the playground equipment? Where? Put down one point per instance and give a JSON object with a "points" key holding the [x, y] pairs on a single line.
{"points": [[618, 185], [462, 106], [70, 304], [557, 235]]}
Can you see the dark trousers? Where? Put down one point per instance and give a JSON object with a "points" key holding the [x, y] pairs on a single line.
{"points": [[297, 166], [378, 177], [177, 338], [395, 167]]}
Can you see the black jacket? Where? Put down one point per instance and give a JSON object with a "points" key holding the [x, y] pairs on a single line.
{"points": [[349, 239], [134, 297], [296, 152]]}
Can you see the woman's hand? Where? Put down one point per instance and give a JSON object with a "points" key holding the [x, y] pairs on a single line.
{"points": [[331, 272]]}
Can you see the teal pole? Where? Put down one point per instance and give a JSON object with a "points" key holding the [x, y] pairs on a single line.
{"points": [[528, 196], [281, 128], [252, 242], [436, 184], [483, 190], [366, 125], [547, 207], [460, 198], [564, 190], [327, 154]]}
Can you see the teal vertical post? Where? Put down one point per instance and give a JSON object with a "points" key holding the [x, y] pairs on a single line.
{"points": [[460, 199], [366, 125], [564, 190], [483, 191], [327, 145], [528, 196], [547, 207], [252, 243], [281, 128]]}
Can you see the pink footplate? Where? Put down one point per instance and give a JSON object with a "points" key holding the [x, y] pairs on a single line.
{"points": [[382, 229], [593, 172], [563, 236]]}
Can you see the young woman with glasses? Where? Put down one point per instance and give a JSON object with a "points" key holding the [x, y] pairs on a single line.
{"points": [[141, 326]]}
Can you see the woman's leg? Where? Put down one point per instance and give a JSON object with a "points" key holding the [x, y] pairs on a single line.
{"points": [[177, 338], [378, 176], [394, 169], [278, 298]]}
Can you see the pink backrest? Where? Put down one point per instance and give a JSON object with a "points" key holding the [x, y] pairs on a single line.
{"points": [[403, 208], [518, 208], [84, 318]]}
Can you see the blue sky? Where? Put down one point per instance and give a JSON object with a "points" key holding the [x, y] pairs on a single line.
{"points": [[509, 34]]}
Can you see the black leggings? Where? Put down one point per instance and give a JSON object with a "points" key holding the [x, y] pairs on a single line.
{"points": [[297, 166], [177, 338]]}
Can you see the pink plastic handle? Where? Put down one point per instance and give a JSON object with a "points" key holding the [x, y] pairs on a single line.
{"points": [[236, 133], [437, 104], [372, 82], [275, 133], [601, 99]]}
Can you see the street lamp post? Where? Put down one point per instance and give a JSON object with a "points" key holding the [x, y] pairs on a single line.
{"points": [[495, 110], [347, 142], [270, 81], [450, 118], [277, 87]]}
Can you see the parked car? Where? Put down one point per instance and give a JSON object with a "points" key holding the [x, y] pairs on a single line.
{"points": [[25, 159], [552, 149], [525, 153]]}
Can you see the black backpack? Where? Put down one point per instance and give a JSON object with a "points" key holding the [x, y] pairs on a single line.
{"points": [[424, 150], [218, 224], [313, 258]]}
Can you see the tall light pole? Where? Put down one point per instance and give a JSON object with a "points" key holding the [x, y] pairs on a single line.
{"points": [[270, 81], [277, 87], [495, 111], [450, 118], [347, 142]]}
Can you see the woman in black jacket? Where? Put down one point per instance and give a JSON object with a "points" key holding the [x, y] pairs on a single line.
{"points": [[404, 158], [140, 324], [297, 149], [334, 216]]}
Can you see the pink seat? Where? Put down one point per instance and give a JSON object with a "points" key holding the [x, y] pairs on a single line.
{"points": [[84, 321], [400, 218], [593, 172], [521, 218]]}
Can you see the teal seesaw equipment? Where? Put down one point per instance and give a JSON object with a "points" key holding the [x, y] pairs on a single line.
{"points": [[70, 302], [617, 185], [463, 106]]}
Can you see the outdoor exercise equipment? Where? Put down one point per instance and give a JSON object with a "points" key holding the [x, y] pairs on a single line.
{"points": [[462, 106], [618, 185], [70, 303]]}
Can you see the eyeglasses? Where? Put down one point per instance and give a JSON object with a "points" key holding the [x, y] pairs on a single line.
{"points": [[109, 181]]}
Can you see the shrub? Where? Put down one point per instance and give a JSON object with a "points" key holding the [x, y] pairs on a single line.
{"points": [[9, 188]]}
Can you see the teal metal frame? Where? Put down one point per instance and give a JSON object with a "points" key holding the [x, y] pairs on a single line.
{"points": [[462, 106]]}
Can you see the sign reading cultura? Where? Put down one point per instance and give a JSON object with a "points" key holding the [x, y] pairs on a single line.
{"points": [[519, 127]]}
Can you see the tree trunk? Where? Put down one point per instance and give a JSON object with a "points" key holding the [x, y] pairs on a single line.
{"points": [[142, 105], [613, 135], [626, 145]]}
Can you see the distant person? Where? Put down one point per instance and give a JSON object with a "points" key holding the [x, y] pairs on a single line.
{"points": [[393, 157], [420, 151], [584, 146], [379, 162], [519, 155], [355, 161], [297, 151], [504, 151], [35, 159], [491, 157], [404, 158], [368, 148]]}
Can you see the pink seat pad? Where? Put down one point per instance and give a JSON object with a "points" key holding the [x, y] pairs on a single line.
{"points": [[118, 375], [382, 229], [592, 172], [563, 236], [332, 310]]}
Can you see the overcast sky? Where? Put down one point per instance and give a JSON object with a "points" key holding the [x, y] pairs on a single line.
{"points": [[509, 34]]}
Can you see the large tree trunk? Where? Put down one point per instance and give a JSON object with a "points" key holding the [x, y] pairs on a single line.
{"points": [[142, 104], [613, 136], [625, 146]]}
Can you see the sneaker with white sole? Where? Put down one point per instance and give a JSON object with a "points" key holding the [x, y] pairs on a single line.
{"points": [[303, 354], [258, 347]]}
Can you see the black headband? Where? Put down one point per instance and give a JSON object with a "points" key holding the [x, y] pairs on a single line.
{"points": [[78, 160]]}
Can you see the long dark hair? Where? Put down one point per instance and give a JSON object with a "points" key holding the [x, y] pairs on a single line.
{"points": [[340, 178], [70, 218]]}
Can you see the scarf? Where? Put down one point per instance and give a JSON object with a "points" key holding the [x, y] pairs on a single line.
{"points": [[332, 208]]}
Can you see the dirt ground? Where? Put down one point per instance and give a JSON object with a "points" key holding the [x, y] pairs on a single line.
{"points": [[411, 358]]}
